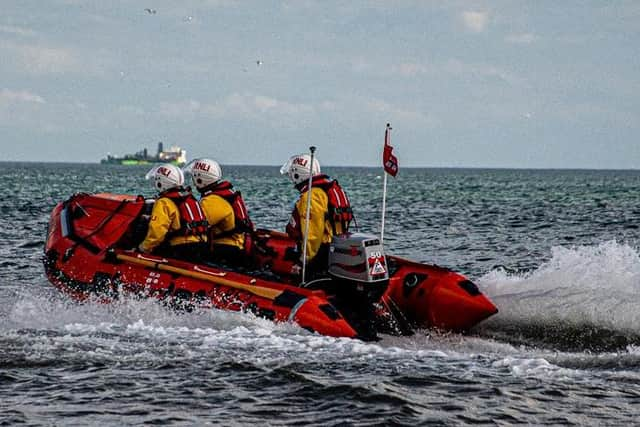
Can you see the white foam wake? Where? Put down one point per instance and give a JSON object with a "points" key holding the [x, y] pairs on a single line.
{"points": [[599, 285]]}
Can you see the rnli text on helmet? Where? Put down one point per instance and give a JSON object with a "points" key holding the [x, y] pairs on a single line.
{"points": [[164, 171], [202, 166], [300, 161]]}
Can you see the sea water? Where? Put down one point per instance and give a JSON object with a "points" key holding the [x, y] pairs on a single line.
{"points": [[556, 250]]}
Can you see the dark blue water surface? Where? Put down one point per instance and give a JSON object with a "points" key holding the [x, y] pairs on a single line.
{"points": [[556, 250]]}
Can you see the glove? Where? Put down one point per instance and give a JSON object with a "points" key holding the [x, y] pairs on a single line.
{"points": [[296, 269]]}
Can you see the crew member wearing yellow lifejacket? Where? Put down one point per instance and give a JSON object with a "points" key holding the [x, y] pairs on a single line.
{"points": [[230, 228], [330, 211], [178, 226]]}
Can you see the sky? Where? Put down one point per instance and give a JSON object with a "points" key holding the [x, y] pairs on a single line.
{"points": [[521, 84]]}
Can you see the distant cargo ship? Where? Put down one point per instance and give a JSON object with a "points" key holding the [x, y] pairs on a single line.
{"points": [[175, 155]]}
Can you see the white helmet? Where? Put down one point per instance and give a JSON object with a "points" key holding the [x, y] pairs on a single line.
{"points": [[204, 172], [297, 167], [165, 177]]}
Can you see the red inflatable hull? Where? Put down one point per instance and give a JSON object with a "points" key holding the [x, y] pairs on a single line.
{"points": [[86, 257]]}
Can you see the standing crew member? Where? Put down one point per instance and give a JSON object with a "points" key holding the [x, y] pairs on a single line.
{"points": [[230, 228], [330, 213], [178, 227]]}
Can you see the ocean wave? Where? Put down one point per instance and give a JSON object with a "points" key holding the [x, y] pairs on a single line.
{"points": [[584, 297]]}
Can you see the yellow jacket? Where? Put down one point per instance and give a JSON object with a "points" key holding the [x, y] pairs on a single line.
{"points": [[320, 229], [221, 219], [165, 217]]}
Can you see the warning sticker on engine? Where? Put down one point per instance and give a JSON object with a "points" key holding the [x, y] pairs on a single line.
{"points": [[377, 268]]}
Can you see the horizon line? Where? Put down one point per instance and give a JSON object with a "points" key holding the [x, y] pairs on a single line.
{"points": [[351, 166]]}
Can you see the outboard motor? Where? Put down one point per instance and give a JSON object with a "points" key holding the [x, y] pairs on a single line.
{"points": [[359, 259], [360, 276]]}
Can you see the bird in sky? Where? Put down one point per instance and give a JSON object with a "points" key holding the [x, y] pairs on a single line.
{"points": [[150, 11]]}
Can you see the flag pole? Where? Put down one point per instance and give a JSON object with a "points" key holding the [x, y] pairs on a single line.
{"points": [[307, 215], [384, 200], [387, 137]]}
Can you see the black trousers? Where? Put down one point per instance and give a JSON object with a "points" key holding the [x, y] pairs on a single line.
{"points": [[191, 252], [228, 254], [319, 265]]}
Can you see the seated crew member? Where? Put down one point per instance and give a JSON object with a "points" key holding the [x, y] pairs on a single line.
{"points": [[330, 212], [178, 227], [230, 228]]}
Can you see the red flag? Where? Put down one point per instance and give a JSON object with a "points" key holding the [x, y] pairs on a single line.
{"points": [[389, 161]]}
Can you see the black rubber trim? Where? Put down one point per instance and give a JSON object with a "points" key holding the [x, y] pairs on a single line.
{"points": [[469, 287], [330, 311], [288, 299]]}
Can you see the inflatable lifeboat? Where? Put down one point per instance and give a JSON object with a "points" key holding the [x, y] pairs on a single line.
{"points": [[88, 256]]}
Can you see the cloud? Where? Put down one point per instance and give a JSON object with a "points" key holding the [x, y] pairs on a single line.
{"points": [[524, 38], [18, 31], [268, 104], [219, 3], [455, 67], [12, 97], [260, 107], [475, 21], [38, 59], [480, 70], [236, 104], [22, 109], [360, 65], [182, 110], [397, 113], [409, 69]]}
